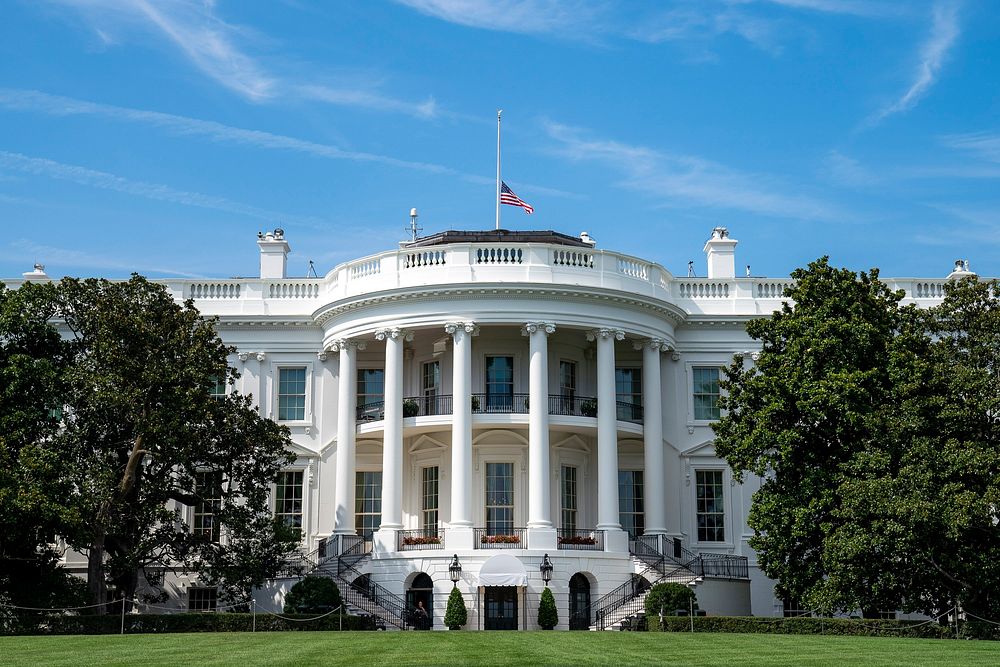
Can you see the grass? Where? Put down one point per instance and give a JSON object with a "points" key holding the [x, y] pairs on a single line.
{"points": [[489, 648]]}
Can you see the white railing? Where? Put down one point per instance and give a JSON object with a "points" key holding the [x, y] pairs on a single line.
{"points": [[771, 289], [562, 257], [424, 258], [633, 268], [215, 290], [703, 289], [498, 254], [368, 267], [293, 290], [926, 289]]}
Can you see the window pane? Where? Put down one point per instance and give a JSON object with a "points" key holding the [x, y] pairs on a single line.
{"points": [[568, 484], [711, 516], [630, 502], [208, 488], [292, 394], [499, 498], [288, 499], [429, 503], [499, 383], [368, 502], [706, 393]]}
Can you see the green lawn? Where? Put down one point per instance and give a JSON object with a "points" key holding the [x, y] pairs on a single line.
{"points": [[361, 649]]}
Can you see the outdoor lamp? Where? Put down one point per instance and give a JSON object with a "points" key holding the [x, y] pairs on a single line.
{"points": [[455, 570], [546, 569]]}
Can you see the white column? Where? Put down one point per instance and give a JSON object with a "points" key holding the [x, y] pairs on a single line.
{"points": [[392, 442], [607, 431], [461, 425], [541, 531], [652, 429], [346, 427]]}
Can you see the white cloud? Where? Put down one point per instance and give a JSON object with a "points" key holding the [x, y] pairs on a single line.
{"points": [[105, 181], [933, 51], [674, 179], [521, 16], [54, 257], [985, 145], [846, 170]]}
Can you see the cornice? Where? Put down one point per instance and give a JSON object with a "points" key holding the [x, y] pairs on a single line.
{"points": [[263, 321], [664, 309]]}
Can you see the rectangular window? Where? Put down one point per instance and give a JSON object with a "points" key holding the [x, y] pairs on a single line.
{"points": [[630, 502], [711, 512], [431, 387], [288, 499], [499, 498], [218, 388], [793, 607], [628, 393], [429, 498], [499, 384], [203, 598], [292, 394], [371, 393], [208, 488], [706, 393], [568, 494], [368, 503], [567, 386]]}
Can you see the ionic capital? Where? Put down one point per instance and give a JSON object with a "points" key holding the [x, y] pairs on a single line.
{"points": [[468, 327], [261, 356], [322, 355], [531, 327], [243, 356], [616, 334], [395, 333], [346, 343], [657, 344]]}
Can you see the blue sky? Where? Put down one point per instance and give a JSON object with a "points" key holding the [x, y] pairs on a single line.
{"points": [[159, 137]]}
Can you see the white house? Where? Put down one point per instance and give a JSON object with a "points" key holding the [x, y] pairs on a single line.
{"points": [[502, 399]]}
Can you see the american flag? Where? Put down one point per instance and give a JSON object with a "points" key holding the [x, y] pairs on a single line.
{"points": [[507, 196]]}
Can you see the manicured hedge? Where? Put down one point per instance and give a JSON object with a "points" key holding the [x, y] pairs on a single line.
{"points": [[190, 622], [800, 626]]}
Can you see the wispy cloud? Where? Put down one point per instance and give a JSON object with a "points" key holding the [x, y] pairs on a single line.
{"points": [[702, 21], [985, 145], [56, 258], [216, 49], [866, 8], [521, 16], [673, 179], [932, 53], [845, 170], [105, 181]]}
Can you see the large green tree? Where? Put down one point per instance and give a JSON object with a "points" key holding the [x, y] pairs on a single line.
{"points": [[142, 428], [873, 427]]}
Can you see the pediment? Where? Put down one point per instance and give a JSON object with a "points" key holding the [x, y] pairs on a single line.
{"points": [[426, 443], [704, 449], [573, 443]]}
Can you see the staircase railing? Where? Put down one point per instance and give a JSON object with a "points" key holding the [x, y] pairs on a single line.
{"points": [[362, 592], [614, 600]]}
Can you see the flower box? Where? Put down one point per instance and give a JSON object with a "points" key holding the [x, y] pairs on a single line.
{"points": [[416, 541], [500, 539], [578, 539]]}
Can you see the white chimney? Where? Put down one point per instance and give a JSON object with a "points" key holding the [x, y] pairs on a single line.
{"points": [[38, 274], [588, 239], [721, 253], [961, 270], [273, 253]]}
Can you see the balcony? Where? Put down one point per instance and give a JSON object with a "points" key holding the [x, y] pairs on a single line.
{"points": [[442, 404], [500, 538], [580, 540], [424, 538]]}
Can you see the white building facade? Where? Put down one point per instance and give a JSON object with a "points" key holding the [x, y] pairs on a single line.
{"points": [[504, 399]]}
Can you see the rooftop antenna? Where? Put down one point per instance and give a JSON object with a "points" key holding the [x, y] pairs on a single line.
{"points": [[748, 270], [691, 269], [413, 225], [311, 273]]}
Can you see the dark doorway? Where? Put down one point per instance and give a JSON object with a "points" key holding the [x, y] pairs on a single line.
{"points": [[501, 608], [579, 602], [421, 591]]}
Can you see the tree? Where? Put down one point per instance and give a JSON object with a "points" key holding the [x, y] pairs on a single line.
{"points": [[143, 438], [456, 615], [548, 615], [670, 597], [313, 595]]}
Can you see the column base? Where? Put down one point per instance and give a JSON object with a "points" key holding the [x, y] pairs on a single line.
{"points": [[384, 540], [459, 538], [542, 539]]}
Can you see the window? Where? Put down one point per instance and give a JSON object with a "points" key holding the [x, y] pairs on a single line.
{"points": [[628, 392], [630, 504], [710, 509], [499, 498], [371, 393], [706, 393], [791, 607], [499, 384], [567, 386], [288, 499], [429, 497], [208, 488], [203, 598], [568, 494], [368, 503], [292, 394], [431, 386], [218, 388]]}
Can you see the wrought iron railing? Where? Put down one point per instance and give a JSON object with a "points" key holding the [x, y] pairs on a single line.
{"points": [[423, 406], [371, 411], [582, 540], [500, 404], [486, 403], [629, 412], [574, 406], [499, 538], [361, 592], [424, 538], [725, 566], [615, 601]]}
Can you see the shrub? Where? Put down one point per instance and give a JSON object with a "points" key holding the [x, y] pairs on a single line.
{"points": [[411, 408], [588, 408], [800, 626], [190, 622], [312, 595], [670, 597], [457, 615], [548, 616], [475, 403]]}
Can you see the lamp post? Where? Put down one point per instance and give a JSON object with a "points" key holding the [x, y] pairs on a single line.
{"points": [[546, 569], [455, 571], [692, 585]]}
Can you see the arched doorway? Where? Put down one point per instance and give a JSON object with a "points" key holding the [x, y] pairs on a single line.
{"points": [[579, 602], [421, 590]]}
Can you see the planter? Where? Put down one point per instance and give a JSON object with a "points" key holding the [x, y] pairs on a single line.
{"points": [[411, 408], [588, 408]]}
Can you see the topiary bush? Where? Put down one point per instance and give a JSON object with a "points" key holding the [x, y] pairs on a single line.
{"points": [[548, 616], [457, 615], [312, 595], [670, 597]]}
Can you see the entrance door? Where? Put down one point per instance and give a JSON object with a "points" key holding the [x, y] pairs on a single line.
{"points": [[501, 608], [421, 597], [579, 602]]}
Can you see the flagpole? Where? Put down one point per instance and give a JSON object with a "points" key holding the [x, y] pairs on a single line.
{"points": [[499, 111]]}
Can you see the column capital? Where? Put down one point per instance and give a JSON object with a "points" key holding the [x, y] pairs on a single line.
{"points": [[468, 327], [345, 343], [261, 356], [657, 344], [616, 334], [322, 355], [243, 356], [531, 327], [394, 333]]}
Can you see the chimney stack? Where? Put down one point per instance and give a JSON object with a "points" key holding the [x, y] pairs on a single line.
{"points": [[721, 253], [273, 253]]}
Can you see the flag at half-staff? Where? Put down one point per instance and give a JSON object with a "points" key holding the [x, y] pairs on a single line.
{"points": [[508, 197]]}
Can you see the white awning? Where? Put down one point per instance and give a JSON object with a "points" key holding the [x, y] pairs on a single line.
{"points": [[503, 570]]}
